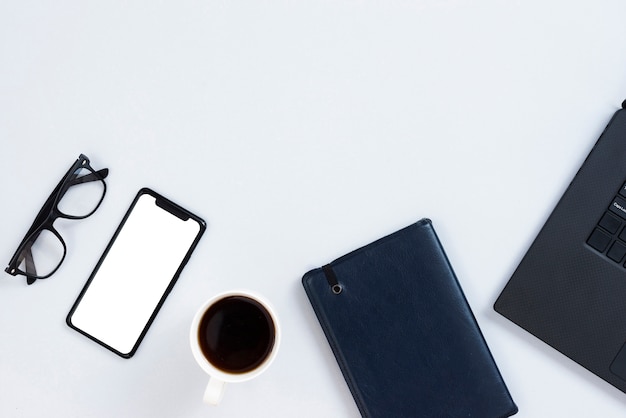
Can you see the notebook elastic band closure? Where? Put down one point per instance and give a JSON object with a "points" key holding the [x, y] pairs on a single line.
{"points": [[331, 278]]}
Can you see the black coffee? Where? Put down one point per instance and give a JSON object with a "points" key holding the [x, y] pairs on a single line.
{"points": [[236, 334]]}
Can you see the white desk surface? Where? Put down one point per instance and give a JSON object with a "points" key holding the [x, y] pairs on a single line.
{"points": [[299, 130]]}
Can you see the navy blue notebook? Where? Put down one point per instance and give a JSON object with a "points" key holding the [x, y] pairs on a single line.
{"points": [[403, 333]]}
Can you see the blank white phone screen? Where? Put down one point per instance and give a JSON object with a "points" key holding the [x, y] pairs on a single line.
{"points": [[135, 274]]}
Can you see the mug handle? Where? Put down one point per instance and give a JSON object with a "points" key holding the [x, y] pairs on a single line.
{"points": [[214, 391]]}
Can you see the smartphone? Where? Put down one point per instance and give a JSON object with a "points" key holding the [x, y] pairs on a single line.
{"points": [[136, 272]]}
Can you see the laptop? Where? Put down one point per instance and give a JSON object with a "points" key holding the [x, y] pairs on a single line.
{"points": [[570, 288]]}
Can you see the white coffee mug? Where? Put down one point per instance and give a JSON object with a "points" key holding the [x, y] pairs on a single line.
{"points": [[206, 357]]}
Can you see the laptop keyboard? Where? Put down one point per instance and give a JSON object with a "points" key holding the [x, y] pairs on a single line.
{"points": [[609, 235]]}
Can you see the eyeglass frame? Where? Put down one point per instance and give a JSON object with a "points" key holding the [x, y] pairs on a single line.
{"points": [[48, 214]]}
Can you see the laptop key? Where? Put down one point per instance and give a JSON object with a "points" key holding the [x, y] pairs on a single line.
{"points": [[622, 191], [599, 240], [618, 207], [610, 223], [617, 252]]}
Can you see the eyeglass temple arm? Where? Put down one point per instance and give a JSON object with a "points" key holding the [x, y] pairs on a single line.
{"points": [[27, 256], [95, 176], [30, 267]]}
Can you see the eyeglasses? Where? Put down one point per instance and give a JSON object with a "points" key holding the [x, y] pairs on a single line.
{"points": [[77, 196]]}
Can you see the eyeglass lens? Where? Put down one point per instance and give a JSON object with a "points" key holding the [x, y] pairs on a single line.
{"points": [[42, 254], [83, 195]]}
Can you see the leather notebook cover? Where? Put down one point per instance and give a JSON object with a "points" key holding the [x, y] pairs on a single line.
{"points": [[403, 333]]}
